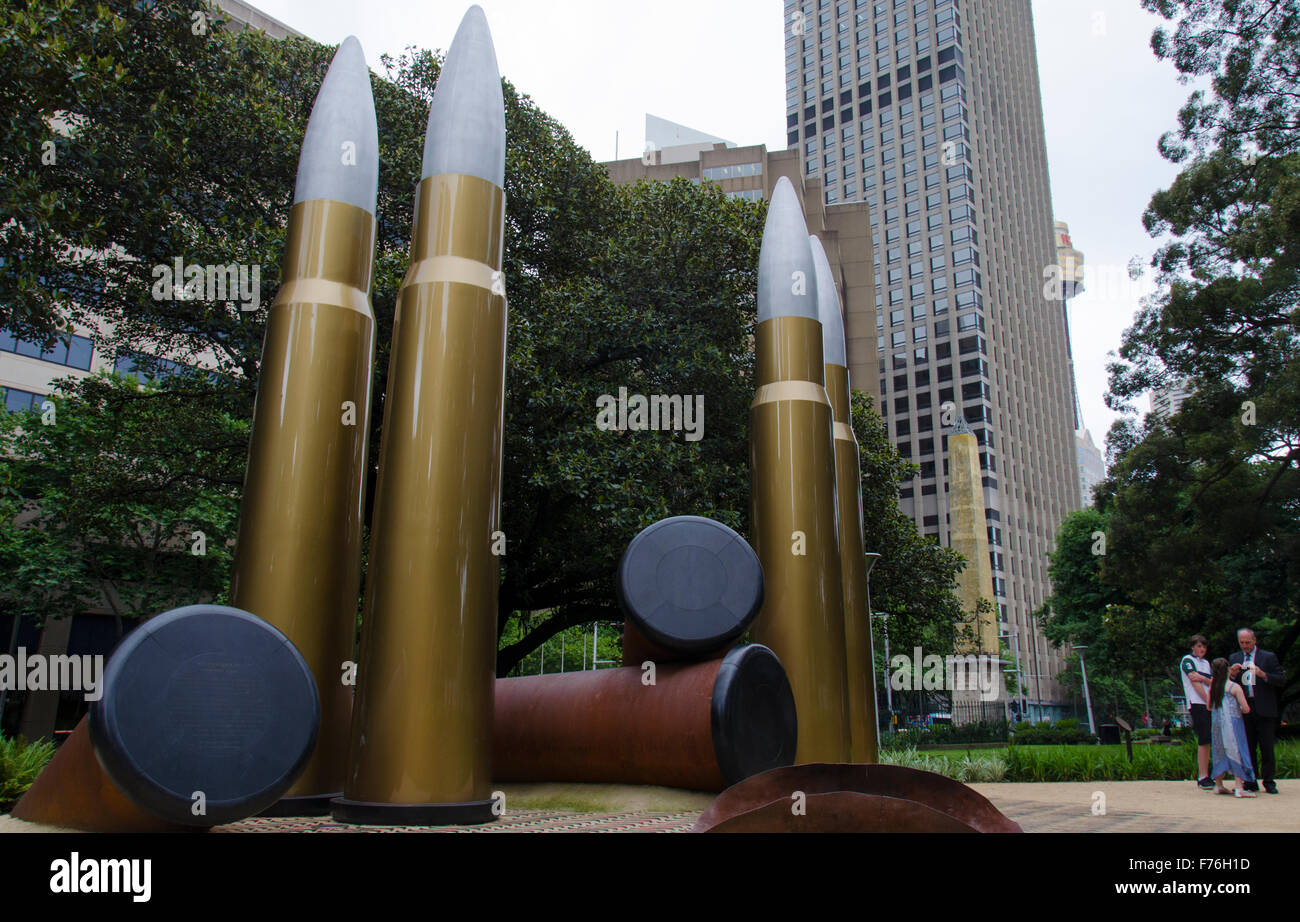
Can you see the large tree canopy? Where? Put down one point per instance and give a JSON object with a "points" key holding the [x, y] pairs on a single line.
{"points": [[1202, 508], [181, 141]]}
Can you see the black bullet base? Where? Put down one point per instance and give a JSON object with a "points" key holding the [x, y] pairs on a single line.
{"points": [[313, 805], [362, 813]]}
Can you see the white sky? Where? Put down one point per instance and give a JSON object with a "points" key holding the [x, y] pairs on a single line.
{"points": [[598, 66]]}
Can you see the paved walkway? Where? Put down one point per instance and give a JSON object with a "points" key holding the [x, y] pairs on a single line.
{"points": [[1125, 806], [1142, 806]]}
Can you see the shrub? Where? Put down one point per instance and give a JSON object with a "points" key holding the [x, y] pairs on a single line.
{"points": [[982, 731], [973, 768], [20, 763], [1046, 733]]}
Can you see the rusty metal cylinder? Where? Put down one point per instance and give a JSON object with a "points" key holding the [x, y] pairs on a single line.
{"points": [[699, 726]]}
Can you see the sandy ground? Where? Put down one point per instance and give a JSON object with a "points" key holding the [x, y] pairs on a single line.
{"points": [[1120, 806]]}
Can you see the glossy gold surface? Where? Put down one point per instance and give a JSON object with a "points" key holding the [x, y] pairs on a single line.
{"points": [[792, 472], [858, 658], [422, 726], [298, 556]]}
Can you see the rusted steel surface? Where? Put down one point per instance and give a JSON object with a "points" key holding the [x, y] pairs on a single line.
{"points": [[769, 795], [74, 792], [607, 726], [639, 649], [699, 726], [842, 811]]}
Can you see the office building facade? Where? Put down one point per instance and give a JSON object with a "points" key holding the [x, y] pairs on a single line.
{"points": [[751, 173], [929, 111]]}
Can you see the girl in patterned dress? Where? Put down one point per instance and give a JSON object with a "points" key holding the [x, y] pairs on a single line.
{"points": [[1228, 732]]}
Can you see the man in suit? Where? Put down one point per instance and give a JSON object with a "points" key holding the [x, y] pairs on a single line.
{"points": [[1261, 676]]}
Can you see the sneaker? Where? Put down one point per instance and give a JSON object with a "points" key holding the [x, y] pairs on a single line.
{"points": [[1205, 784], [1241, 793], [1270, 787], [1252, 786]]}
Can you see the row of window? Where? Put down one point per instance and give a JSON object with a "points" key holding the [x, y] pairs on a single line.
{"points": [[733, 171], [19, 401], [71, 351]]}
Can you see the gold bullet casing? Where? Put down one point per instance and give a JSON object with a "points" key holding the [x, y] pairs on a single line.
{"points": [[298, 556], [858, 659], [422, 726], [792, 470]]}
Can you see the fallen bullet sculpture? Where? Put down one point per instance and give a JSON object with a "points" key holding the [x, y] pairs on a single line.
{"points": [[699, 726], [208, 715], [851, 798], [688, 587]]}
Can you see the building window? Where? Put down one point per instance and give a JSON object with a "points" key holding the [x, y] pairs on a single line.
{"points": [[69, 351], [19, 401]]}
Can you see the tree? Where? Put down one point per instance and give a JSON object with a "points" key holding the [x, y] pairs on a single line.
{"points": [[1203, 506], [104, 506]]}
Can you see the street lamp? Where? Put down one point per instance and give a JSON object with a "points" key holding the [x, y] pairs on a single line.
{"points": [[872, 559], [889, 697], [1020, 682], [1092, 726]]}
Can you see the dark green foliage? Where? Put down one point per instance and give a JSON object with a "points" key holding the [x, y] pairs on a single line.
{"points": [[20, 763], [1202, 512]]}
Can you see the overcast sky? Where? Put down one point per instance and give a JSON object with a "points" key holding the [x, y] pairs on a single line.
{"points": [[598, 66]]}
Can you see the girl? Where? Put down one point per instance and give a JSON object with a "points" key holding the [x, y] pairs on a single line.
{"points": [[1228, 732]]}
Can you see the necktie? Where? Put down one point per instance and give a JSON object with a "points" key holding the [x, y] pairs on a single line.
{"points": [[1250, 679]]}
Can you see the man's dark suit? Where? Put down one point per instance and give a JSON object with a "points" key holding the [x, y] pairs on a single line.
{"points": [[1265, 707]]}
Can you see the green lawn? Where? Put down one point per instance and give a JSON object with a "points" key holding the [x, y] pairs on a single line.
{"points": [[1072, 763]]}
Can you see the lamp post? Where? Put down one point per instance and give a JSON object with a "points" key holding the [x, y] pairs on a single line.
{"points": [[1020, 682], [889, 697], [1092, 726]]}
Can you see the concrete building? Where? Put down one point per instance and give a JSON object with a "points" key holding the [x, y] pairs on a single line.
{"points": [[752, 173], [28, 372], [930, 112], [1092, 466], [1166, 401]]}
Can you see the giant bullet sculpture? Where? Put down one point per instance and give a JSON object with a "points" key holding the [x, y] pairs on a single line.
{"points": [[422, 726], [298, 557], [699, 726], [207, 715], [688, 587], [792, 471], [859, 670]]}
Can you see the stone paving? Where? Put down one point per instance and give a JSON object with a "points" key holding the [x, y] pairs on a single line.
{"points": [[1124, 806]]}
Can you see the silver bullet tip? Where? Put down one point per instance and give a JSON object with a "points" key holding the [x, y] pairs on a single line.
{"points": [[340, 149], [828, 307], [467, 121], [787, 279]]}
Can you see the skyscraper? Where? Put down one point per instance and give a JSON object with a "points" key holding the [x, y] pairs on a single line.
{"points": [[929, 110]]}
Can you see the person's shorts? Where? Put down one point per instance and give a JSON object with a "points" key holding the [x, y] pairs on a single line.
{"points": [[1201, 721]]}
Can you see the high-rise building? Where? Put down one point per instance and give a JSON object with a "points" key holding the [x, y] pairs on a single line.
{"points": [[1092, 467], [930, 111], [1168, 400]]}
